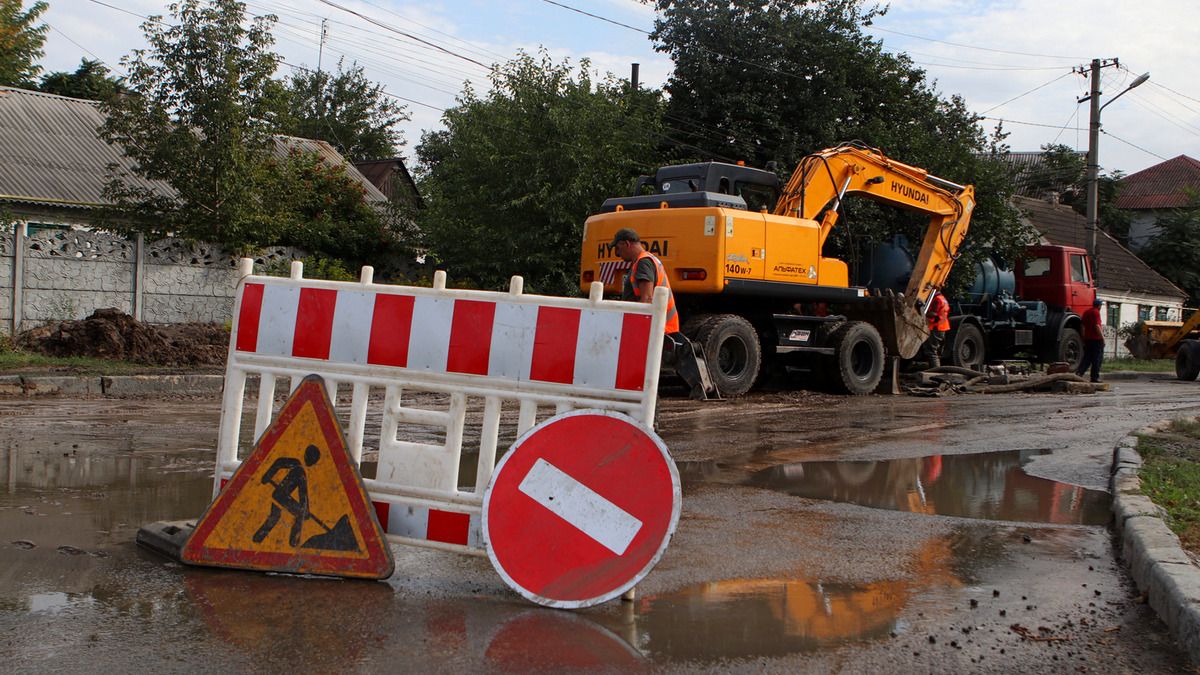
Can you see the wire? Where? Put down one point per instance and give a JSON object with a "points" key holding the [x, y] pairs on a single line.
{"points": [[407, 35], [90, 52], [1047, 84], [1138, 147], [1074, 115], [984, 49], [597, 16]]}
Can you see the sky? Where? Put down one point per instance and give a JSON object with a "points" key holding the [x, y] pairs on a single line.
{"points": [[1010, 60]]}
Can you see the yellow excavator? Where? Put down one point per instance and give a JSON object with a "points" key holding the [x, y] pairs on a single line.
{"points": [[1170, 339], [745, 262]]}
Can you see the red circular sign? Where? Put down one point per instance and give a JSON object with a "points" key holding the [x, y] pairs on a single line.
{"points": [[581, 508]]}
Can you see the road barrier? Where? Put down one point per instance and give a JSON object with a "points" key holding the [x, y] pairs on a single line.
{"points": [[528, 356]]}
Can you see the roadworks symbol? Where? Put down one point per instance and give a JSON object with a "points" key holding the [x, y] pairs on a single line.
{"points": [[297, 503]]}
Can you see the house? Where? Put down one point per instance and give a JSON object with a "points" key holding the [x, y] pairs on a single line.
{"points": [[393, 179], [1131, 290], [54, 165], [1036, 178], [1152, 191]]}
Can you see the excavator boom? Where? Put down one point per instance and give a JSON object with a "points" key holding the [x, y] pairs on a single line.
{"points": [[823, 179]]}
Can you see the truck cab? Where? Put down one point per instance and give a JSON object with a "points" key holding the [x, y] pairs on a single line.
{"points": [[1058, 276]]}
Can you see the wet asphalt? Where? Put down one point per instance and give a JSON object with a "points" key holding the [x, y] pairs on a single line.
{"points": [[818, 534]]}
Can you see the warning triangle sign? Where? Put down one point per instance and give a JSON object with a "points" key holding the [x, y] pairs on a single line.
{"points": [[297, 503]]}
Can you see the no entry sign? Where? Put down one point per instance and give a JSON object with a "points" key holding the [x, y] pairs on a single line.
{"points": [[581, 508]]}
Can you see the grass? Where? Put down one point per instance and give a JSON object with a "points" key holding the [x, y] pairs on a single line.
{"points": [[24, 363], [1170, 476], [1140, 365]]}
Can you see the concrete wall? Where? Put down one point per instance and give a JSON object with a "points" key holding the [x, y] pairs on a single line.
{"points": [[69, 273]]}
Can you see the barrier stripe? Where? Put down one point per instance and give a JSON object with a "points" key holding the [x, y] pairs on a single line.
{"points": [[597, 349], [631, 360], [391, 324], [471, 337], [515, 341], [350, 342], [554, 345], [512, 332], [247, 339], [314, 323], [277, 321], [419, 522], [428, 347]]}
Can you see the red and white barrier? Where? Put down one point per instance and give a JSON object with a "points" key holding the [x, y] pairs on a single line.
{"points": [[546, 355]]}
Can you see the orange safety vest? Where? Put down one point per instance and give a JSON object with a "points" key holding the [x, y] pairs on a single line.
{"points": [[660, 274], [939, 314]]}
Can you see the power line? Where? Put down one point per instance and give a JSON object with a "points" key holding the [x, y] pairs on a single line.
{"points": [[1001, 105], [597, 16], [89, 52], [1138, 147], [405, 34], [983, 49]]}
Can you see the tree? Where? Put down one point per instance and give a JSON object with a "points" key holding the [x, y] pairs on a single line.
{"points": [[20, 43], [773, 80], [344, 109], [510, 181], [91, 80], [1175, 251], [1064, 171], [200, 116]]}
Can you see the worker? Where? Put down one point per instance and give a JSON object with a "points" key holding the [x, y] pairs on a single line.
{"points": [[648, 273], [938, 316], [1093, 341]]}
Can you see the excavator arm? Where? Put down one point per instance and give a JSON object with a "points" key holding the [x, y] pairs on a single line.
{"points": [[823, 179]]}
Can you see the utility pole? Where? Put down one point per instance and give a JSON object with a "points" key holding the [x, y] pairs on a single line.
{"points": [[634, 85], [321, 46], [1093, 157]]}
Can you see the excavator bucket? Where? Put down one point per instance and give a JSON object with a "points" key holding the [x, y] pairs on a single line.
{"points": [[902, 326]]}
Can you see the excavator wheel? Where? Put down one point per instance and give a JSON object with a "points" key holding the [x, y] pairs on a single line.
{"points": [[858, 358], [967, 348], [731, 348], [1187, 360]]}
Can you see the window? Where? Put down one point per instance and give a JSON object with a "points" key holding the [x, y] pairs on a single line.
{"points": [[1161, 314], [1037, 267], [1144, 312], [1114, 314], [758, 197], [1079, 270]]}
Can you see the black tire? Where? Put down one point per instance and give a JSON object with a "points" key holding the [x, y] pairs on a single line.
{"points": [[1070, 348], [1187, 360], [967, 348], [858, 358], [730, 346]]}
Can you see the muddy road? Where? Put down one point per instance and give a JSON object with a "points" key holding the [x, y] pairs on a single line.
{"points": [[888, 534]]}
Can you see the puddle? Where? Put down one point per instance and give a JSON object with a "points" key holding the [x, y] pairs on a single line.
{"points": [[988, 485], [767, 617]]}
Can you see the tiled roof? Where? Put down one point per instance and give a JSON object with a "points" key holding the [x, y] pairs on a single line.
{"points": [[53, 156], [1162, 186], [1120, 270]]}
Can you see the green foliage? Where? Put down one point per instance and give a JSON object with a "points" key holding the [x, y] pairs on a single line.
{"points": [[773, 80], [91, 80], [315, 267], [21, 43], [1170, 476], [1064, 171], [344, 109], [1140, 365], [200, 116], [6, 344], [511, 180], [1175, 251]]}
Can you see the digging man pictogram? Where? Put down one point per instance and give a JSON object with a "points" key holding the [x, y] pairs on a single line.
{"points": [[291, 495]]}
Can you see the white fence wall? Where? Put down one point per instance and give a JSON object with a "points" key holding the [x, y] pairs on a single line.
{"points": [[56, 275]]}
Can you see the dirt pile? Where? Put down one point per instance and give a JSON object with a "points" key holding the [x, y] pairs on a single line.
{"points": [[112, 334]]}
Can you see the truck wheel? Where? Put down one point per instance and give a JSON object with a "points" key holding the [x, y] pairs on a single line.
{"points": [[730, 346], [1070, 348], [967, 348], [857, 358], [1187, 360]]}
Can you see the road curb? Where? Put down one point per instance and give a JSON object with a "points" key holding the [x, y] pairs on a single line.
{"points": [[1151, 551], [132, 386]]}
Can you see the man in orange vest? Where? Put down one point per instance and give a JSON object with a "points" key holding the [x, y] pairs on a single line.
{"points": [[938, 316], [647, 274]]}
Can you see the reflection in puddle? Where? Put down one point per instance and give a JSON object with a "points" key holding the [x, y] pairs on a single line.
{"points": [[767, 617], [988, 485]]}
